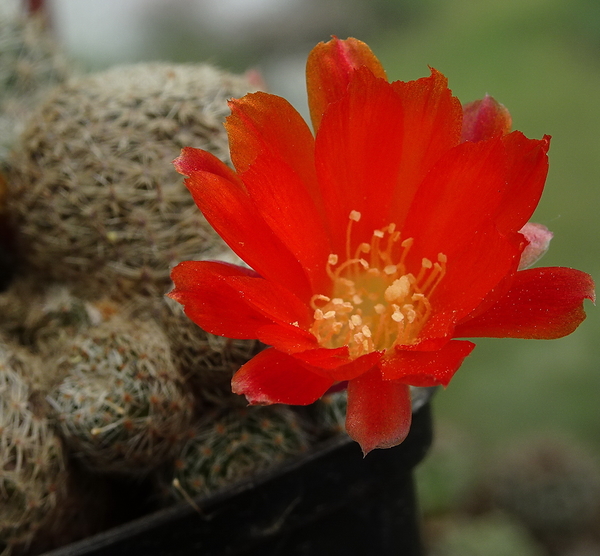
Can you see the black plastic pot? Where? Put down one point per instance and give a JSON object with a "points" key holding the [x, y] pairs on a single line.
{"points": [[331, 501]]}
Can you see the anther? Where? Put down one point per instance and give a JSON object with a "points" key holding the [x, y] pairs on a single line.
{"points": [[397, 316], [390, 269], [356, 320], [332, 259], [354, 215], [398, 290]]}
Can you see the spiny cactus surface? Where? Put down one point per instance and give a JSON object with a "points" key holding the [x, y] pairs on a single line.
{"points": [[31, 458], [92, 191], [122, 407], [233, 444]]}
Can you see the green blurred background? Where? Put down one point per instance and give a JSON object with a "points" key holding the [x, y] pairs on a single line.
{"points": [[541, 58]]}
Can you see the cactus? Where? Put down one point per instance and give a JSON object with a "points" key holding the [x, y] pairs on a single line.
{"points": [[121, 407], [30, 63], [31, 460], [550, 485], [329, 413], [205, 361], [94, 197], [232, 444]]}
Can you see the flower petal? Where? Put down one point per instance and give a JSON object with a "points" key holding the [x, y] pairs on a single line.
{"points": [[287, 338], [222, 198], [460, 193], [193, 160], [275, 302], [379, 411], [432, 123], [425, 368], [336, 363], [273, 151], [211, 302], [358, 149], [473, 272], [526, 171], [274, 377], [328, 71], [452, 215], [542, 303], [483, 119]]}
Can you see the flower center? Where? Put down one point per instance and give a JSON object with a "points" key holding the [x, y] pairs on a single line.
{"points": [[376, 304]]}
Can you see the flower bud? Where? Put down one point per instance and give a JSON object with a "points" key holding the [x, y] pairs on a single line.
{"points": [[483, 119], [539, 238]]}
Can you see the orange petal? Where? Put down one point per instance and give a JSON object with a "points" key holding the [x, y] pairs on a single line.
{"points": [[193, 160], [222, 198], [287, 338], [336, 363], [542, 303], [527, 167], [471, 273], [425, 368], [328, 71], [213, 304], [462, 191], [274, 377], [273, 152], [358, 149], [379, 411], [432, 122]]}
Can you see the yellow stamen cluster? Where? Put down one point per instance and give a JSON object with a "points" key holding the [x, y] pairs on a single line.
{"points": [[376, 303]]}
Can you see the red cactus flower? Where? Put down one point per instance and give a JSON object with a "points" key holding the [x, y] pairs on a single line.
{"points": [[373, 244]]}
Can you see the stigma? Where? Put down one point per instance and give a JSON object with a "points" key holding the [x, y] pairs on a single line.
{"points": [[377, 302]]}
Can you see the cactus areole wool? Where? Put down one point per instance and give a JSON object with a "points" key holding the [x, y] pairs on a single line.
{"points": [[397, 227]]}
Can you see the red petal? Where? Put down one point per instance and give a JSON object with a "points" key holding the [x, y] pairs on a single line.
{"points": [[211, 302], [273, 152], [193, 160], [336, 364], [461, 192], [452, 214], [425, 368], [227, 207], [432, 122], [484, 261], [287, 338], [379, 411], [329, 68], [527, 167], [272, 300], [542, 303], [483, 119], [357, 155], [274, 377]]}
